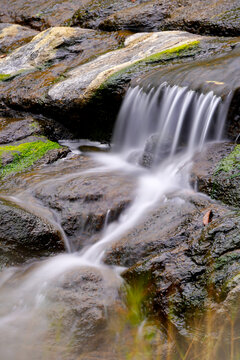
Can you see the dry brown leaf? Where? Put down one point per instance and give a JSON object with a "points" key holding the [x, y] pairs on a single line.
{"points": [[207, 217]]}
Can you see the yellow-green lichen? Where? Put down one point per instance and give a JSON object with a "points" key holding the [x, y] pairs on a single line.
{"points": [[230, 163], [4, 77], [173, 52], [24, 155]]}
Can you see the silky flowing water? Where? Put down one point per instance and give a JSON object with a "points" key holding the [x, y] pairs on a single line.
{"points": [[180, 122]]}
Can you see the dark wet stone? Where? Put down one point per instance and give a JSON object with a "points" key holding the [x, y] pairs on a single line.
{"points": [[80, 200], [184, 264], [24, 235], [84, 201]]}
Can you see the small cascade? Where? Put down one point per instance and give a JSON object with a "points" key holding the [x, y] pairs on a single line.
{"points": [[169, 119], [170, 122]]}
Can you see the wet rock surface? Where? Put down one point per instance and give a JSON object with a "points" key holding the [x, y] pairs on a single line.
{"points": [[216, 172], [24, 235], [81, 197], [216, 74], [82, 302], [203, 17], [208, 17], [180, 259], [12, 129]]}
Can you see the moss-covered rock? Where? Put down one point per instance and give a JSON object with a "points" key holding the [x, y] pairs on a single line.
{"points": [[216, 172], [21, 156]]}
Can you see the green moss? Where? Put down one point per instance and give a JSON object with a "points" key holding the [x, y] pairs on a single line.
{"points": [[4, 77], [23, 155], [161, 57], [173, 52], [230, 163]]}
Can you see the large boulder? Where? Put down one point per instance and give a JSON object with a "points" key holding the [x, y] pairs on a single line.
{"points": [[185, 263]]}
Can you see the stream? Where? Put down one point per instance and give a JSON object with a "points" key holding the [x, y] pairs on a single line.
{"points": [[156, 134]]}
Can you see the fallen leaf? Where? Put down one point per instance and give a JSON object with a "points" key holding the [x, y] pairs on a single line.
{"points": [[207, 217]]}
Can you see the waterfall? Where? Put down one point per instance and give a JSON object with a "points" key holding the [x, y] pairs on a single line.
{"points": [[168, 120]]}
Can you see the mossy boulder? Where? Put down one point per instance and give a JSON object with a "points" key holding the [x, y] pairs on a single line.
{"points": [[216, 172], [20, 156]]}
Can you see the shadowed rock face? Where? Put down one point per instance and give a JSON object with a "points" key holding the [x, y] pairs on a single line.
{"points": [[202, 17]]}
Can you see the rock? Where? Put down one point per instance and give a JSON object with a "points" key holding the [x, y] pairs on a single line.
{"points": [[58, 75], [217, 74], [77, 193], [153, 152], [12, 129], [83, 202], [209, 17], [81, 303], [215, 172], [82, 83], [58, 44], [13, 36], [24, 235], [41, 14], [181, 261], [22, 155], [15, 126], [203, 17], [29, 72]]}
